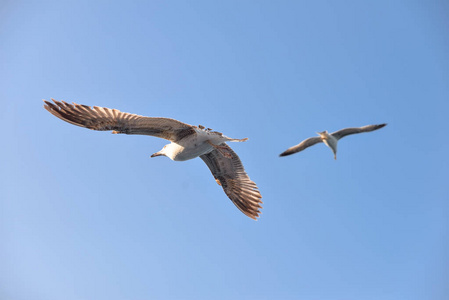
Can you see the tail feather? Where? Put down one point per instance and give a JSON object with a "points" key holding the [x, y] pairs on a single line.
{"points": [[238, 140]]}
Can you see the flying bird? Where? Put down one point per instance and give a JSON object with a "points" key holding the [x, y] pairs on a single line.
{"points": [[330, 140], [187, 142]]}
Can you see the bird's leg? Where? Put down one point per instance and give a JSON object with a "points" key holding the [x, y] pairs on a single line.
{"points": [[222, 149]]}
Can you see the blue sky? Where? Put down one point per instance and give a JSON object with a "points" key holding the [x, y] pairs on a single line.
{"points": [[88, 215]]}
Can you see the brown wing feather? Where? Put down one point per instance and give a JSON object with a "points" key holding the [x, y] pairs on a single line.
{"points": [[347, 131], [237, 185], [301, 146], [101, 118]]}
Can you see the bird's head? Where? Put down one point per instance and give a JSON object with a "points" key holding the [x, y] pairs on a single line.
{"points": [[323, 134], [163, 152]]}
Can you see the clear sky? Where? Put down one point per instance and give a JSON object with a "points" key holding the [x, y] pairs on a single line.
{"points": [[89, 215]]}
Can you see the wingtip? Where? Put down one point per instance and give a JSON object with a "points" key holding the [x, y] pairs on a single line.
{"points": [[379, 126], [255, 217], [285, 153], [48, 105]]}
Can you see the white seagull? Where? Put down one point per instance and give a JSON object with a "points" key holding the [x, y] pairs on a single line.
{"points": [[187, 142], [330, 140]]}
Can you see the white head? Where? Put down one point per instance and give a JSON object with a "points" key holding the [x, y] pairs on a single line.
{"points": [[323, 134], [166, 151]]}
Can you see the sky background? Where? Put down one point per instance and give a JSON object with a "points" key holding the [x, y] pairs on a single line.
{"points": [[88, 215]]}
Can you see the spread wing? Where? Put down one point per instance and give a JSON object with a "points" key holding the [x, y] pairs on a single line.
{"points": [[230, 174], [347, 131], [101, 118], [301, 146]]}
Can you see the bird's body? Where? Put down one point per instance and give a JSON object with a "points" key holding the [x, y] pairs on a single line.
{"points": [[330, 140], [187, 142], [194, 145]]}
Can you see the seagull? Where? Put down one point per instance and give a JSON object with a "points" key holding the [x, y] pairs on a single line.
{"points": [[330, 140], [187, 142]]}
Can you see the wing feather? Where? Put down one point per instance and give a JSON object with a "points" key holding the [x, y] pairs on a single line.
{"points": [[103, 119], [348, 131], [301, 146], [237, 185]]}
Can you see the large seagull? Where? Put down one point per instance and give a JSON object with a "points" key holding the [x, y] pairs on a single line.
{"points": [[330, 140], [187, 142]]}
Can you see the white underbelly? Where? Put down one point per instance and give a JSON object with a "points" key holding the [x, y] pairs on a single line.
{"points": [[331, 144], [197, 145], [186, 153]]}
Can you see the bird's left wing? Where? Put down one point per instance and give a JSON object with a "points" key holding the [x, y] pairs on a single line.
{"points": [[230, 174], [347, 131], [102, 118], [301, 146]]}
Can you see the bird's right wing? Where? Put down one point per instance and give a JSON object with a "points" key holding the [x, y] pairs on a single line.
{"points": [[301, 146], [230, 174], [347, 131], [102, 118]]}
